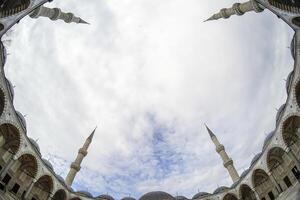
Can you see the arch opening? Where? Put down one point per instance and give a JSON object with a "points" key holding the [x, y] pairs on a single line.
{"points": [[247, 193], [42, 188], [9, 142], [2, 101], [286, 5], [60, 195], [263, 184], [230, 197], [291, 134]]}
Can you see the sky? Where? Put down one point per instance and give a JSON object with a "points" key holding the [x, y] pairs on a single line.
{"points": [[149, 74]]}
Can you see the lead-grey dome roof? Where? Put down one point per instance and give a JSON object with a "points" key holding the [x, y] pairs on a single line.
{"points": [[181, 198], [85, 194], [157, 195], [200, 194], [256, 157], [35, 145], [10, 89], [128, 198], [279, 114], [289, 81], [22, 120], [105, 197], [245, 173], [48, 164], [220, 189], [267, 139]]}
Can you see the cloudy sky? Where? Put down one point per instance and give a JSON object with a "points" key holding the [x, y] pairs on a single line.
{"points": [[149, 74]]}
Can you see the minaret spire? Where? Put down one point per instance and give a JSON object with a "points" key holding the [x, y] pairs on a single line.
{"points": [[56, 14], [228, 163], [237, 9], [76, 165]]}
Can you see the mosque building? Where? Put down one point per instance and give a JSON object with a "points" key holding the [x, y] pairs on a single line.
{"points": [[273, 174]]}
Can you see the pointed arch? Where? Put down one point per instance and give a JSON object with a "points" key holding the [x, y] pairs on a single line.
{"points": [[10, 8], [2, 101], [28, 165], [43, 187], [230, 196], [10, 137], [246, 193], [262, 183], [60, 195], [291, 133]]}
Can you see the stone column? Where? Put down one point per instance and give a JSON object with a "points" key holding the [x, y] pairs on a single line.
{"points": [[7, 167], [30, 188]]}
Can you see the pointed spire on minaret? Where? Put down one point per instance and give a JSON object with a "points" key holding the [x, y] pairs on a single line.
{"points": [[227, 162], [56, 14], [237, 9], [76, 165]]}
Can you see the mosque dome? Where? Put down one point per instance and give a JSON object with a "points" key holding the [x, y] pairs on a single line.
{"points": [[181, 198], [221, 189], [85, 194], [70, 188], [10, 89], [267, 139], [128, 198], [256, 157], [105, 197], [293, 44], [279, 114], [48, 164], [35, 145], [289, 81], [200, 195], [158, 195], [21, 120], [60, 178]]}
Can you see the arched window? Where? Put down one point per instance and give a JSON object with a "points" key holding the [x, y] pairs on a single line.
{"points": [[9, 139], [263, 184], [43, 187], [247, 193], [60, 195]]}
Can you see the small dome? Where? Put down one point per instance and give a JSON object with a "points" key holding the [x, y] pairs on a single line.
{"points": [[181, 198], [245, 173], [235, 184], [256, 157], [85, 194], [21, 120], [279, 114], [293, 44], [158, 195], [10, 89], [35, 145], [221, 189], [128, 198], [105, 197], [267, 139], [289, 81], [70, 189], [60, 178], [48, 164], [200, 195]]}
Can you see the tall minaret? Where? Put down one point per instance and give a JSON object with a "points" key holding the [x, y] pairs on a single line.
{"points": [[56, 14], [237, 9], [228, 163], [75, 166]]}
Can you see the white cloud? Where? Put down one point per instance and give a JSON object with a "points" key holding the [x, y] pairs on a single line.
{"points": [[144, 68]]}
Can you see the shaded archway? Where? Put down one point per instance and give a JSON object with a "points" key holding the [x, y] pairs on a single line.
{"points": [[298, 93], [263, 184], [230, 197], [10, 138], [43, 187], [290, 134], [280, 165], [24, 171], [247, 193], [75, 198], [60, 195]]}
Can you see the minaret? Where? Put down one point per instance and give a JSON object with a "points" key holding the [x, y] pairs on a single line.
{"points": [[227, 162], [237, 9], [75, 166], [55, 14]]}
